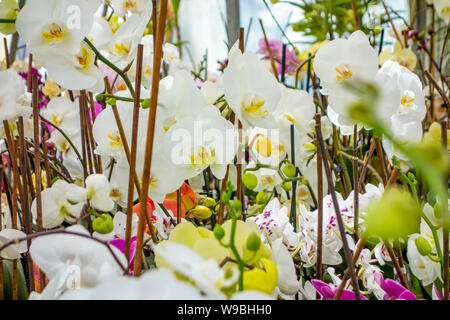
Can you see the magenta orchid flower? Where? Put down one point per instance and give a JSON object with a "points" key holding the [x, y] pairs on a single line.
{"points": [[438, 294], [328, 292], [394, 291], [119, 243]]}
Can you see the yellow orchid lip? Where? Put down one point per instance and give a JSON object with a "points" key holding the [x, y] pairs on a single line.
{"points": [[53, 34], [116, 141], [85, 59], [130, 4], [255, 109], [344, 72], [121, 48]]}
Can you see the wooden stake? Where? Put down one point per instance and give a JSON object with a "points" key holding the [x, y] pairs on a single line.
{"points": [[150, 137], [319, 274], [134, 137]]}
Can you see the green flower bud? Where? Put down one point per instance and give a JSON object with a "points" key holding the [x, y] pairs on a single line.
{"points": [[103, 224], [111, 101], [287, 186], [145, 104], [289, 170], [200, 212], [261, 197], [219, 233], [253, 242], [396, 215], [423, 246], [237, 205], [250, 180], [209, 202]]}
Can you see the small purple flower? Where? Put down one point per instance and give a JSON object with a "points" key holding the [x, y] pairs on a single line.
{"points": [[394, 291]]}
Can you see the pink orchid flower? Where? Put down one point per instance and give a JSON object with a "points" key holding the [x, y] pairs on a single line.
{"points": [[119, 243], [394, 291], [328, 292]]}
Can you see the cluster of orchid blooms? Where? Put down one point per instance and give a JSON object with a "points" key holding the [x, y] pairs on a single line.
{"points": [[247, 191]]}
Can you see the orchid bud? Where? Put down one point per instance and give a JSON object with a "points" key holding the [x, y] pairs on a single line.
{"points": [[250, 180], [423, 246], [219, 233], [237, 205], [103, 224], [201, 212], [287, 186], [145, 104], [289, 170], [209, 202], [253, 242], [111, 101], [261, 197]]}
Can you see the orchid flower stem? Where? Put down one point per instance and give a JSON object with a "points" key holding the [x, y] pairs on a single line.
{"points": [[102, 58], [233, 248], [111, 96]]}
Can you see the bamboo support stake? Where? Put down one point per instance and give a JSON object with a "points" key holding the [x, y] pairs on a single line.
{"points": [[24, 199], [355, 182], [83, 141], [150, 137], [319, 204], [134, 137], [12, 155]]}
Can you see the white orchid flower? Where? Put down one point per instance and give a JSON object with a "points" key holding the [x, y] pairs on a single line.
{"points": [[195, 143], [98, 192], [170, 53], [123, 46], [206, 274], [274, 222], [174, 91], [54, 26], [14, 250], [345, 59], [71, 261], [425, 269], [101, 34], [56, 208], [63, 113], [14, 98], [250, 89], [287, 277], [295, 107], [122, 7], [153, 285]]}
